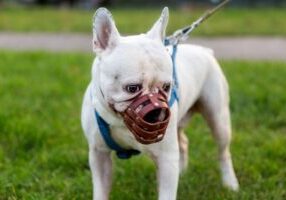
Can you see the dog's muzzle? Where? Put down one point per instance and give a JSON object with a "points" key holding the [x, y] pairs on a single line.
{"points": [[147, 117]]}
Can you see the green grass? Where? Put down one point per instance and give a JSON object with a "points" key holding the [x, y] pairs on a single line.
{"points": [[227, 22], [43, 153]]}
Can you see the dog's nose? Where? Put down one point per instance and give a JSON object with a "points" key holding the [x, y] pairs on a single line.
{"points": [[156, 115]]}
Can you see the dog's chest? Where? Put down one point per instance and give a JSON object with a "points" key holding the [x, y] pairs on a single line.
{"points": [[124, 137]]}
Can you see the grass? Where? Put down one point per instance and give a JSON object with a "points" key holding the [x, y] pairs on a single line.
{"points": [[228, 22], [43, 153]]}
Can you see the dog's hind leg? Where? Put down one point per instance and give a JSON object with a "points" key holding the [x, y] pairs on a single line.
{"points": [[184, 149], [220, 125], [183, 138], [214, 106]]}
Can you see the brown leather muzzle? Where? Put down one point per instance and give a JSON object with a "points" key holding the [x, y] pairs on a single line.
{"points": [[147, 117]]}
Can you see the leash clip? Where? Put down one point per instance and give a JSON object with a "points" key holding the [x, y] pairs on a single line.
{"points": [[183, 34]]}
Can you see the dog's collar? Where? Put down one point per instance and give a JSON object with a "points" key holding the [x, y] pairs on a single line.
{"points": [[105, 133], [104, 126]]}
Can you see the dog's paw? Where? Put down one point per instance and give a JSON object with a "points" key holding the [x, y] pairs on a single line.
{"points": [[231, 182]]}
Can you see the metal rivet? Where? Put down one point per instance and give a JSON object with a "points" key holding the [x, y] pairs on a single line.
{"points": [[156, 104], [150, 95]]}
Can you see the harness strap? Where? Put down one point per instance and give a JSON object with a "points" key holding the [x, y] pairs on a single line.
{"points": [[104, 127], [105, 132], [174, 92]]}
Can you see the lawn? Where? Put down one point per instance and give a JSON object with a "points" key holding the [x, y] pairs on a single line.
{"points": [[43, 153], [227, 22]]}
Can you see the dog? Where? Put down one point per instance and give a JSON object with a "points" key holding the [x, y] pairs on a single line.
{"points": [[130, 68]]}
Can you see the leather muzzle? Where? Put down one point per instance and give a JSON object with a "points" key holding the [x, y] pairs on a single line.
{"points": [[147, 117]]}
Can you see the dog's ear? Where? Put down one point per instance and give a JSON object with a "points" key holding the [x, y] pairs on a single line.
{"points": [[158, 30], [105, 33]]}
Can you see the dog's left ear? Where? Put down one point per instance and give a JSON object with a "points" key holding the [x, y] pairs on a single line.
{"points": [[157, 32], [105, 33]]}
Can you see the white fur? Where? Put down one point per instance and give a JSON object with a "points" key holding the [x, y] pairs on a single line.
{"points": [[143, 58]]}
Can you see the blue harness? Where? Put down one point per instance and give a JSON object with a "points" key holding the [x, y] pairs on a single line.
{"points": [[104, 127]]}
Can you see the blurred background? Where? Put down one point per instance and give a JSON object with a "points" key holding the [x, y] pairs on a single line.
{"points": [[45, 64], [95, 3], [66, 22]]}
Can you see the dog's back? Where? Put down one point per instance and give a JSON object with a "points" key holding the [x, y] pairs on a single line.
{"points": [[195, 67]]}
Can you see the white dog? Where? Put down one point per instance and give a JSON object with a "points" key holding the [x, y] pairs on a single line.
{"points": [[132, 66]]}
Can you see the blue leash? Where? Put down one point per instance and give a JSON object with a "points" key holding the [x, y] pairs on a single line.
{"points": [[174, 92], [104, 126]]}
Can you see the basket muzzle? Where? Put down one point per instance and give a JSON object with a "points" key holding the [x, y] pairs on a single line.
{"points": [[147, 117]]}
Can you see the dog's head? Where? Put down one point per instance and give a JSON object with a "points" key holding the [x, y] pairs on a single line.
{"points": [[131, 67]]}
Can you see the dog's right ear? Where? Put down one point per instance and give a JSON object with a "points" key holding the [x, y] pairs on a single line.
{"points": [[105, 33]]}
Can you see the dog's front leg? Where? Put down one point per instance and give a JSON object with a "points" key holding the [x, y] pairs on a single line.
{"points": [[101, 169], [168, 176], [168, 172]]}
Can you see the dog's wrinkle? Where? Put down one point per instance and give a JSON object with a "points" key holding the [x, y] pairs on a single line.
{"points": [[129, 99], [101, 93], [119, 98]]}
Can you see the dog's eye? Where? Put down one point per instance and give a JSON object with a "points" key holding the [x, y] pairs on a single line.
{"points": [[166, 87], [133, 88]]}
